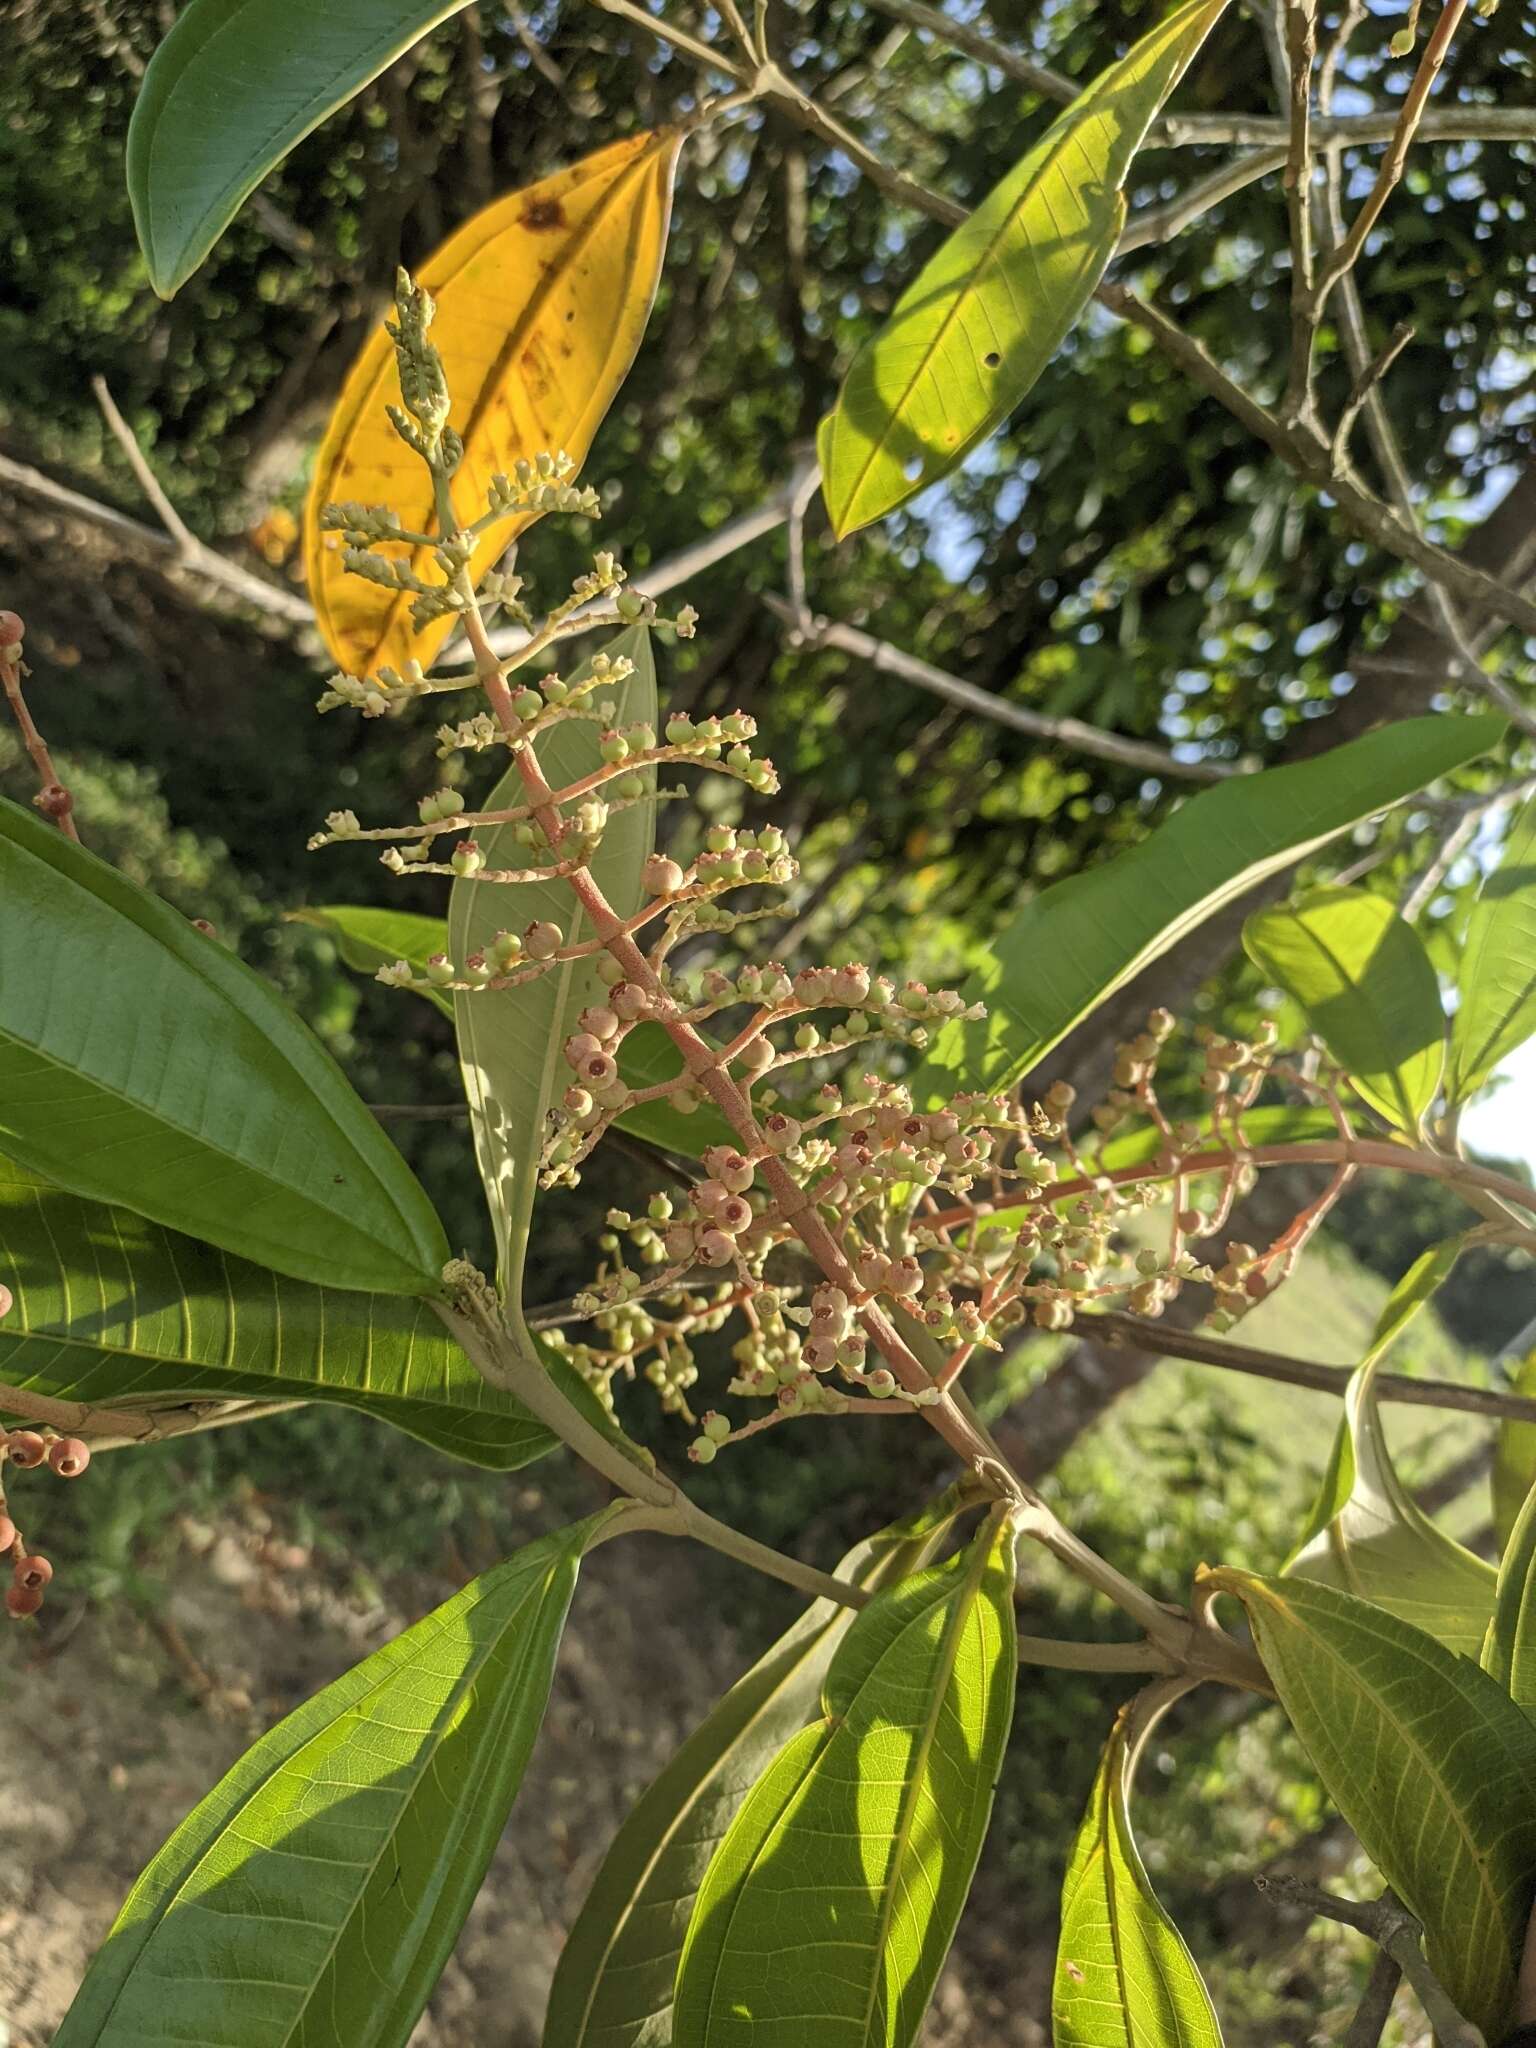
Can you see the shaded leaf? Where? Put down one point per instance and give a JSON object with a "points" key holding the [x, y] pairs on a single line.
{"points": [[511, 1041], [1509, 1653], [613, 1985], [1514, 1455], [115, 1310], [1079, 941], [190, 1094], [316, 1893], [988, 311], [1124, 1978], [855, 1850], [541, 302], [231, 89], [370, 936], [1497, 982], [1366, 1534], [1427, 1758], [1365, 985]]}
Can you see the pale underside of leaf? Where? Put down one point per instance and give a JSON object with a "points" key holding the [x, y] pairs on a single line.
{"points": [[1428, 1760], [542, 300], [1497, 980], [511, 1041]]}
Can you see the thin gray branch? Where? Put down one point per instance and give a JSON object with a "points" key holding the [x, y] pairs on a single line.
{"points": [[1068, 732], [138, 462], [960, 35]]}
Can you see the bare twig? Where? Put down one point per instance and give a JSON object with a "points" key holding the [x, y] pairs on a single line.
{"points": [[138, 462], [961, 35], [1452, 843], [1387, 178], [53, 799], [1375, 2007], [1115, 1326], [1067, 732], [1300, 22], [679, 38], [1158, 224], [1388, 1923], [1367, 378]]}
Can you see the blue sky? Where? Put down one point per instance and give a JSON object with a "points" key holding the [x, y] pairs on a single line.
{"points": [[1503, 1122]]}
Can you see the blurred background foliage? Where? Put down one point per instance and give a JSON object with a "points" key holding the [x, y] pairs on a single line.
{"points": [[1122, 553]]}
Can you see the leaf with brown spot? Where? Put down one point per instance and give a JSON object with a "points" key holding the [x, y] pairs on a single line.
{"points": [[541, 302]]}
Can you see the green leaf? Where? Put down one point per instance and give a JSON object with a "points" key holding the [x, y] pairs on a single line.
{"points": [[1279, 1123], [1124, 1978], [1497, 983], [113, 1310], [1430, 1762], [1366, 1533], [1365, 986], [142, 1064], [1509, 1652], [613, 1985], [316, 1893], [1076, 943], [229, 92], [1514, 1455], [828, 1909], [368, 938], [988, 311], [511, 1041]]}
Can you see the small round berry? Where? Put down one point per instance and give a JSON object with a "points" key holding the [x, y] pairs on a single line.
{"points": [[32, 1573], [20, 1602], [12, 631], [715, 1248], [702, 1451], [7, 1301], [69, 1456], [661, 876], [27, 1449], [543, 940], [7, 1531]]}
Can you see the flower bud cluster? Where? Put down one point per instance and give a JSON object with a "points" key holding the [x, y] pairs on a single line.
{"points": [[24, 1449]]}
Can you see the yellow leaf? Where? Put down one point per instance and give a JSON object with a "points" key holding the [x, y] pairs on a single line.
{"points": [[541, 302]]}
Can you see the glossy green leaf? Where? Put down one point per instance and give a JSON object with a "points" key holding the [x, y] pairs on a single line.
{"points": [[1514, 1455], [1509, 1652], [1124, 1978], [988, 311], [511, 1041], [1079, 941], [1365, 985], [1497, 982], [827, 1910], [232, 88], [315, 1894], [142, 1064], [1427, 1758], [115, 1310], [613, 1986], [369, 936], [1366, 1533]]}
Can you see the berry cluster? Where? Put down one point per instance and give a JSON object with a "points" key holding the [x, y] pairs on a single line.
{"points": [[67, 1457]]}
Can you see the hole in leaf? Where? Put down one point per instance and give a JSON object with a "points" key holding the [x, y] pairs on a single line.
{"points": [[912, 468], [992, 359]]}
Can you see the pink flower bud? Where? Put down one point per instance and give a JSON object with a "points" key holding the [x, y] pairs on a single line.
{"points": [[32, 1573], [600, 1021], [661, 876], [679, 1242], [728, 1166], [7, 1531], [543, 940], [715, 1248], [782, 1132], [628, 999], [20, 1602], [69, 1457], [7, 1301], [27, 1449], [580, 1047]]}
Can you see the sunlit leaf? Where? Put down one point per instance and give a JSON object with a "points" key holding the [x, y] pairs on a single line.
{"points": [[1366, 1534], [1509, 1653], [827, 1910], [1079, 941], [370, 936], [511, 1041], [315, 1894], [112, 1309], [1514, 1455], [1497, 982], [613, 1986], [234, 85], [541, 302], [1365, 985], [143, 1064], [1427, 1758], [1124, 1978], [988, 311]]}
